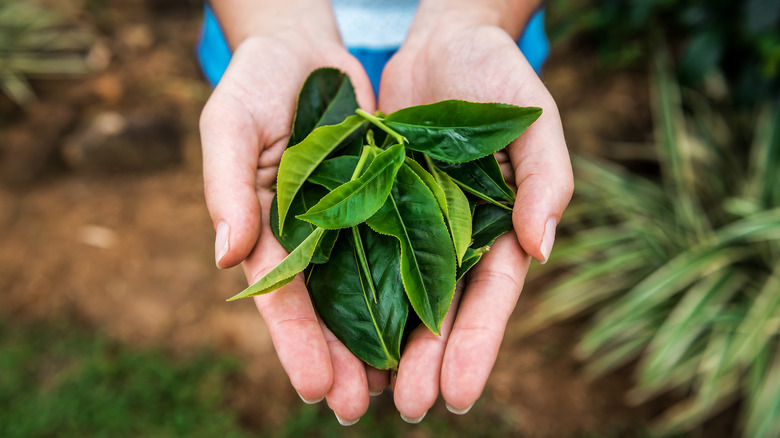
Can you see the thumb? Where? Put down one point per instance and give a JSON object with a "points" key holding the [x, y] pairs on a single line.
{"points": [[230, 147], [544, 181]]}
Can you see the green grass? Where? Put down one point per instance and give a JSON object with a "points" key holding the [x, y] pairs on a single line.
{"points": [[382, 421], [57, 380]]}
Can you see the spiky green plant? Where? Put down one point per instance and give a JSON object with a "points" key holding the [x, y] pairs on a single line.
{"points": [[38, 41], [680, 274]]}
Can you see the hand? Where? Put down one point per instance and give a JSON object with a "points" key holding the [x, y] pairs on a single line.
{"points": [[456, 58], [244, 129]]}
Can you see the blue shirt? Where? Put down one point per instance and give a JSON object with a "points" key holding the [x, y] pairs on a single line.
{"points": [[372, 30]]}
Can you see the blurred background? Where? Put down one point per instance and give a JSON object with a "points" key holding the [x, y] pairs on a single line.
{"points": [[658, 314]]}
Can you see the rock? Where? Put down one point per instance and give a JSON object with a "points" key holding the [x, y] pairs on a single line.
{"points": [[122, 142]]}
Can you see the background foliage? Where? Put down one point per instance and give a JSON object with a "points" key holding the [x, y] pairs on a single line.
{"points": [[676, 266], [737, 42], [35, 41]]}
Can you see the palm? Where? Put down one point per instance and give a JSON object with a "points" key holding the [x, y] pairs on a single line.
{"points": [[244, 129], [479, 64]]}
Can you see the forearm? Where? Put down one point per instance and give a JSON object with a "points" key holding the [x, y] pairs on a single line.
{"points": [[241, 19], [510, 15]]}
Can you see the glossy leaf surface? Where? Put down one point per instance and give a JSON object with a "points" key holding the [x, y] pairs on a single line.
{"points": [[296, 230], [428, 262], [489, 223], [286, 270], [481, 176], [326, 98], [471, 258], [371, 330], [334, 172], [458, 213], [355, 201], [299, 161], [429, 181], [456, 131]]}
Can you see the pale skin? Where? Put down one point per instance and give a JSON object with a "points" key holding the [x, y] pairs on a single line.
{"points": [[455, 49]]}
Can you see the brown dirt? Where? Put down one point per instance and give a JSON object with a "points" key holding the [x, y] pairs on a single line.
{"points": [[131, 253]]}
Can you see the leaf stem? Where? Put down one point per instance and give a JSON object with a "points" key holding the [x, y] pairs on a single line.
{"points": [[361, 163], [464, 187], [361, 254], [378, 122], [481, 196]]}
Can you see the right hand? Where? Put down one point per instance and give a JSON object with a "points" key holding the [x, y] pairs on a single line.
{"points": [[244, 130]]}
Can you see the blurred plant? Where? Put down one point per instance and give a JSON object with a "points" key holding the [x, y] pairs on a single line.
{"points": [[680, 275], [38, 41], [739, 40]]}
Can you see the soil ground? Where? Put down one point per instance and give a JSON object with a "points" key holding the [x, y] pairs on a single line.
{"points": [[130, 252]]}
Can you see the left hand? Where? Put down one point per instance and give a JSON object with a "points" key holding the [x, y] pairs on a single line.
{"points": [[459, 58]]}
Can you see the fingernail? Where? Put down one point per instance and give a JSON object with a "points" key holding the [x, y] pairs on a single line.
{"points": [[457, 411], [222, 243], [310, 401], [548, 239], [375, 393], [413, 420], [346, 422]]}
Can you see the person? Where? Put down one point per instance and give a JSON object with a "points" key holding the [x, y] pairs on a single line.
{"points": [[453, 49]]}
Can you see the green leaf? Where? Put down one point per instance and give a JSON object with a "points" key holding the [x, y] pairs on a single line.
{"points": [[286, 270], [428, 262], [334, 172], [481, 176], [685, 323], [676, 275], [470, 258], [761, 323], [456, 131], [372, 331], [299, 161], [489, 223], [326, 98], [763, 413], [295, 230], [429, 181], [355, 201], [457, 214]]}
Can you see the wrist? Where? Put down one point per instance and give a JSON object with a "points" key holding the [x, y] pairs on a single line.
{"points": [[436, 17], [290, 19]]}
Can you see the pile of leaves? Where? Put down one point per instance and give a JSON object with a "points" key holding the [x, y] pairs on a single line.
{"points": [[387, 212], [679, 273]]}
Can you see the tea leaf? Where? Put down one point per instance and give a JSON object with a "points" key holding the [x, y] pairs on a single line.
{"points": [[286, 270], [334, 172], [428, 262], [456, 131], [471, 258], [296, 230], [489, 223], [299, 161], [326, 98], [355, 201], [371, 330], [429, 181], [458, 213], [481, 176]]}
